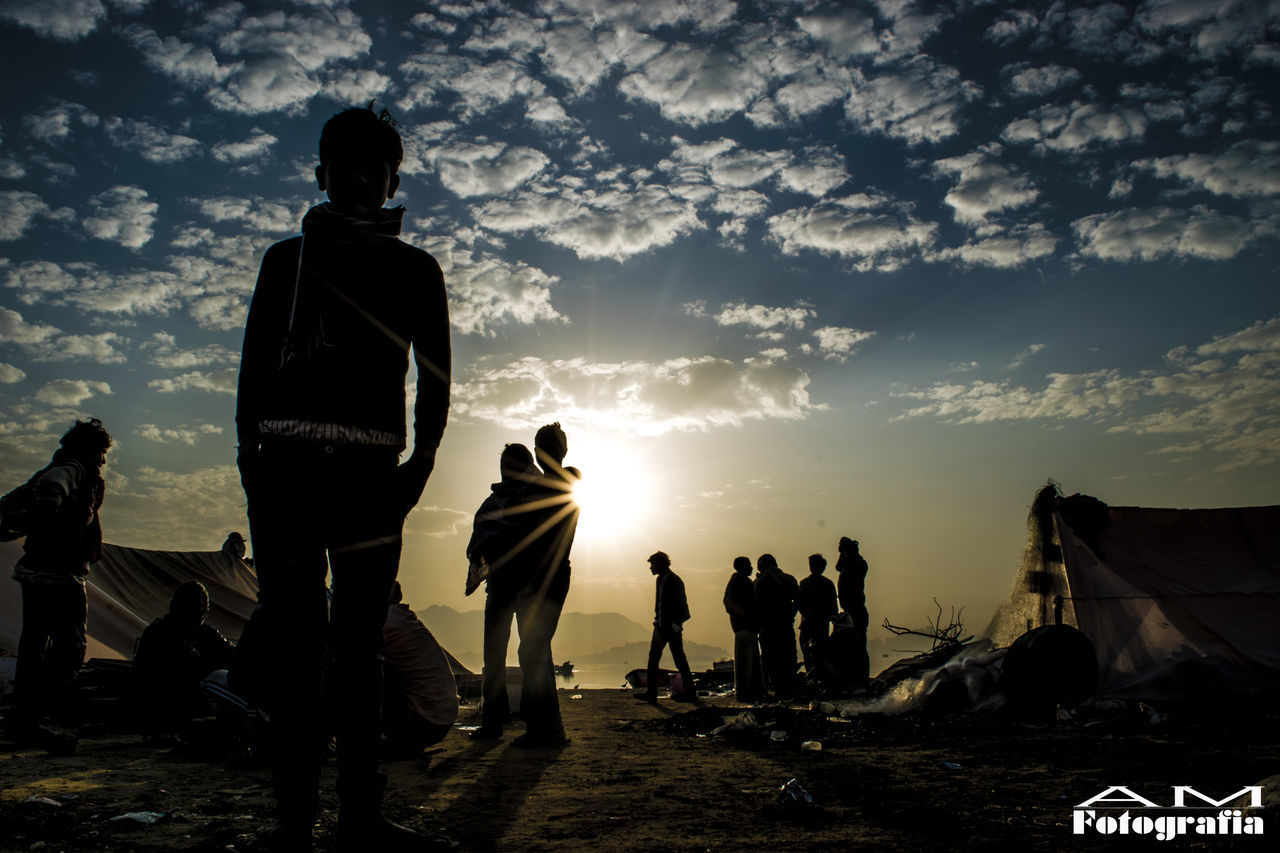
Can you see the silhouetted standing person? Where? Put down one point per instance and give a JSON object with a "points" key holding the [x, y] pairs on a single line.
{"points": [[670, 612], [63, 536], [853, 575], [744, 619], [320, 415], [776, 597], [499, 558], [818, 607], [552, 519]]}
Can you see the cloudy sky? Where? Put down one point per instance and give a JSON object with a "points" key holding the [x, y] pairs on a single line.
{"points": [[786, 271]]}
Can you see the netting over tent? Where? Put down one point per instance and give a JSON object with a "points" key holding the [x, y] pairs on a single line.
{"points": [[1176, 601]]}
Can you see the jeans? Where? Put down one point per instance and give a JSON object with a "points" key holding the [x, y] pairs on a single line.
{"points": [[663, 637], [52, 644], [316, 509]]}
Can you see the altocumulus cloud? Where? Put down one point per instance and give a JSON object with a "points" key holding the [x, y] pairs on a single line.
{"points": [[70, 392], [1224, 394], [642, 398], [123, 215]]}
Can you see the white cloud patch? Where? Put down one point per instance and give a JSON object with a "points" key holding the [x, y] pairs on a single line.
{"points": [[61, 20], [153, 142], [492, 168], [613, 222], [14, 329], [1214, 28], [1223, 406], [103, 348], [849, 34], [182, 434], [257, 214], [355, 85], [71, 392], [188, 64], [1003, 248], [984, 185], [815, 170], [18, 209], [247, 150], [312, 39], [479, 85], [837, 343], [693, 394], [10, 375], [764, 317], [919, 102], [56, 124], [695, 85], [1027, 81], [1077, 128], [265, 86], [221, 382], [883, 239], [1246, 169], [486, 291], [1147, 234], [123, 215], [163, 351]]}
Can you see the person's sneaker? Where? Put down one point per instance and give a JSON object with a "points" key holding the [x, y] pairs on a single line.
{"points": [[685, 696], [535, 741], [486, 733], [646, 696]]}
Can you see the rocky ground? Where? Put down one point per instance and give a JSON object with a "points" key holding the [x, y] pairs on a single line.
{"points": [[643, 777]]}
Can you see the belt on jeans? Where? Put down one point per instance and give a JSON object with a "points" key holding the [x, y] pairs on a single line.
{"points": [[313, 448]]}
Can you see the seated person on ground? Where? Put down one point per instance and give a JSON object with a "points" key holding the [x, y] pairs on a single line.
{"points": [[420, 697], [173, 655]]}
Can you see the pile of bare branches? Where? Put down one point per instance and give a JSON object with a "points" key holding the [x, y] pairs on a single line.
{"points": [[942, 637]]}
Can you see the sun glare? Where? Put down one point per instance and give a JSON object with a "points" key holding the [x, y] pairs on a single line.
{"points": [[616, 492]]}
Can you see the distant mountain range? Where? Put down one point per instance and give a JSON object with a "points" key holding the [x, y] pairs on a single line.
{"points": [[604, 639], [595, 638]]}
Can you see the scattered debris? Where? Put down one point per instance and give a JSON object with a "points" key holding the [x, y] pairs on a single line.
{"points": [[792, 793], [44, 801], [144, 818]]}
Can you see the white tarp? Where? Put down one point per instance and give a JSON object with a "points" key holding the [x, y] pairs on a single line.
{"points": [[1178, 601]]}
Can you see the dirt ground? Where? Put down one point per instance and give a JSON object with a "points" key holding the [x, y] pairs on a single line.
{"points": [[639, 777]]}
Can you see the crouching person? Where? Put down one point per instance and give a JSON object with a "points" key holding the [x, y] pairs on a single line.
{"points": [[174, 654]]}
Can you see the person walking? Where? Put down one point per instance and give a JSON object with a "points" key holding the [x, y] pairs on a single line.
{"points": [[670, 612]]}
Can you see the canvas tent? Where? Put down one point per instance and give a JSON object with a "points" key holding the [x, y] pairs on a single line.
{"points": [[130, 587], [1177, 602]]}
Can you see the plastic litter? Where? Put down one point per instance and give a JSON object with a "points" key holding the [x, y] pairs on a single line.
{"points": [[777, 736], [949, 765], [144, 818], [44, 801], [812, 745], [576, 696], [792, 793], [744, 722]]}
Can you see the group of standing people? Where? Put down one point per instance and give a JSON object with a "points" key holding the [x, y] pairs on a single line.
{"points": [[762, 616], [519, 548]]}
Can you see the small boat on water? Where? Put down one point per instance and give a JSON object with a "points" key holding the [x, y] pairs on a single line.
{"points": [[720, 674]]}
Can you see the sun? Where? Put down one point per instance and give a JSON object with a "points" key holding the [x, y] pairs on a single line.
{"points": [[616, 493]]}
